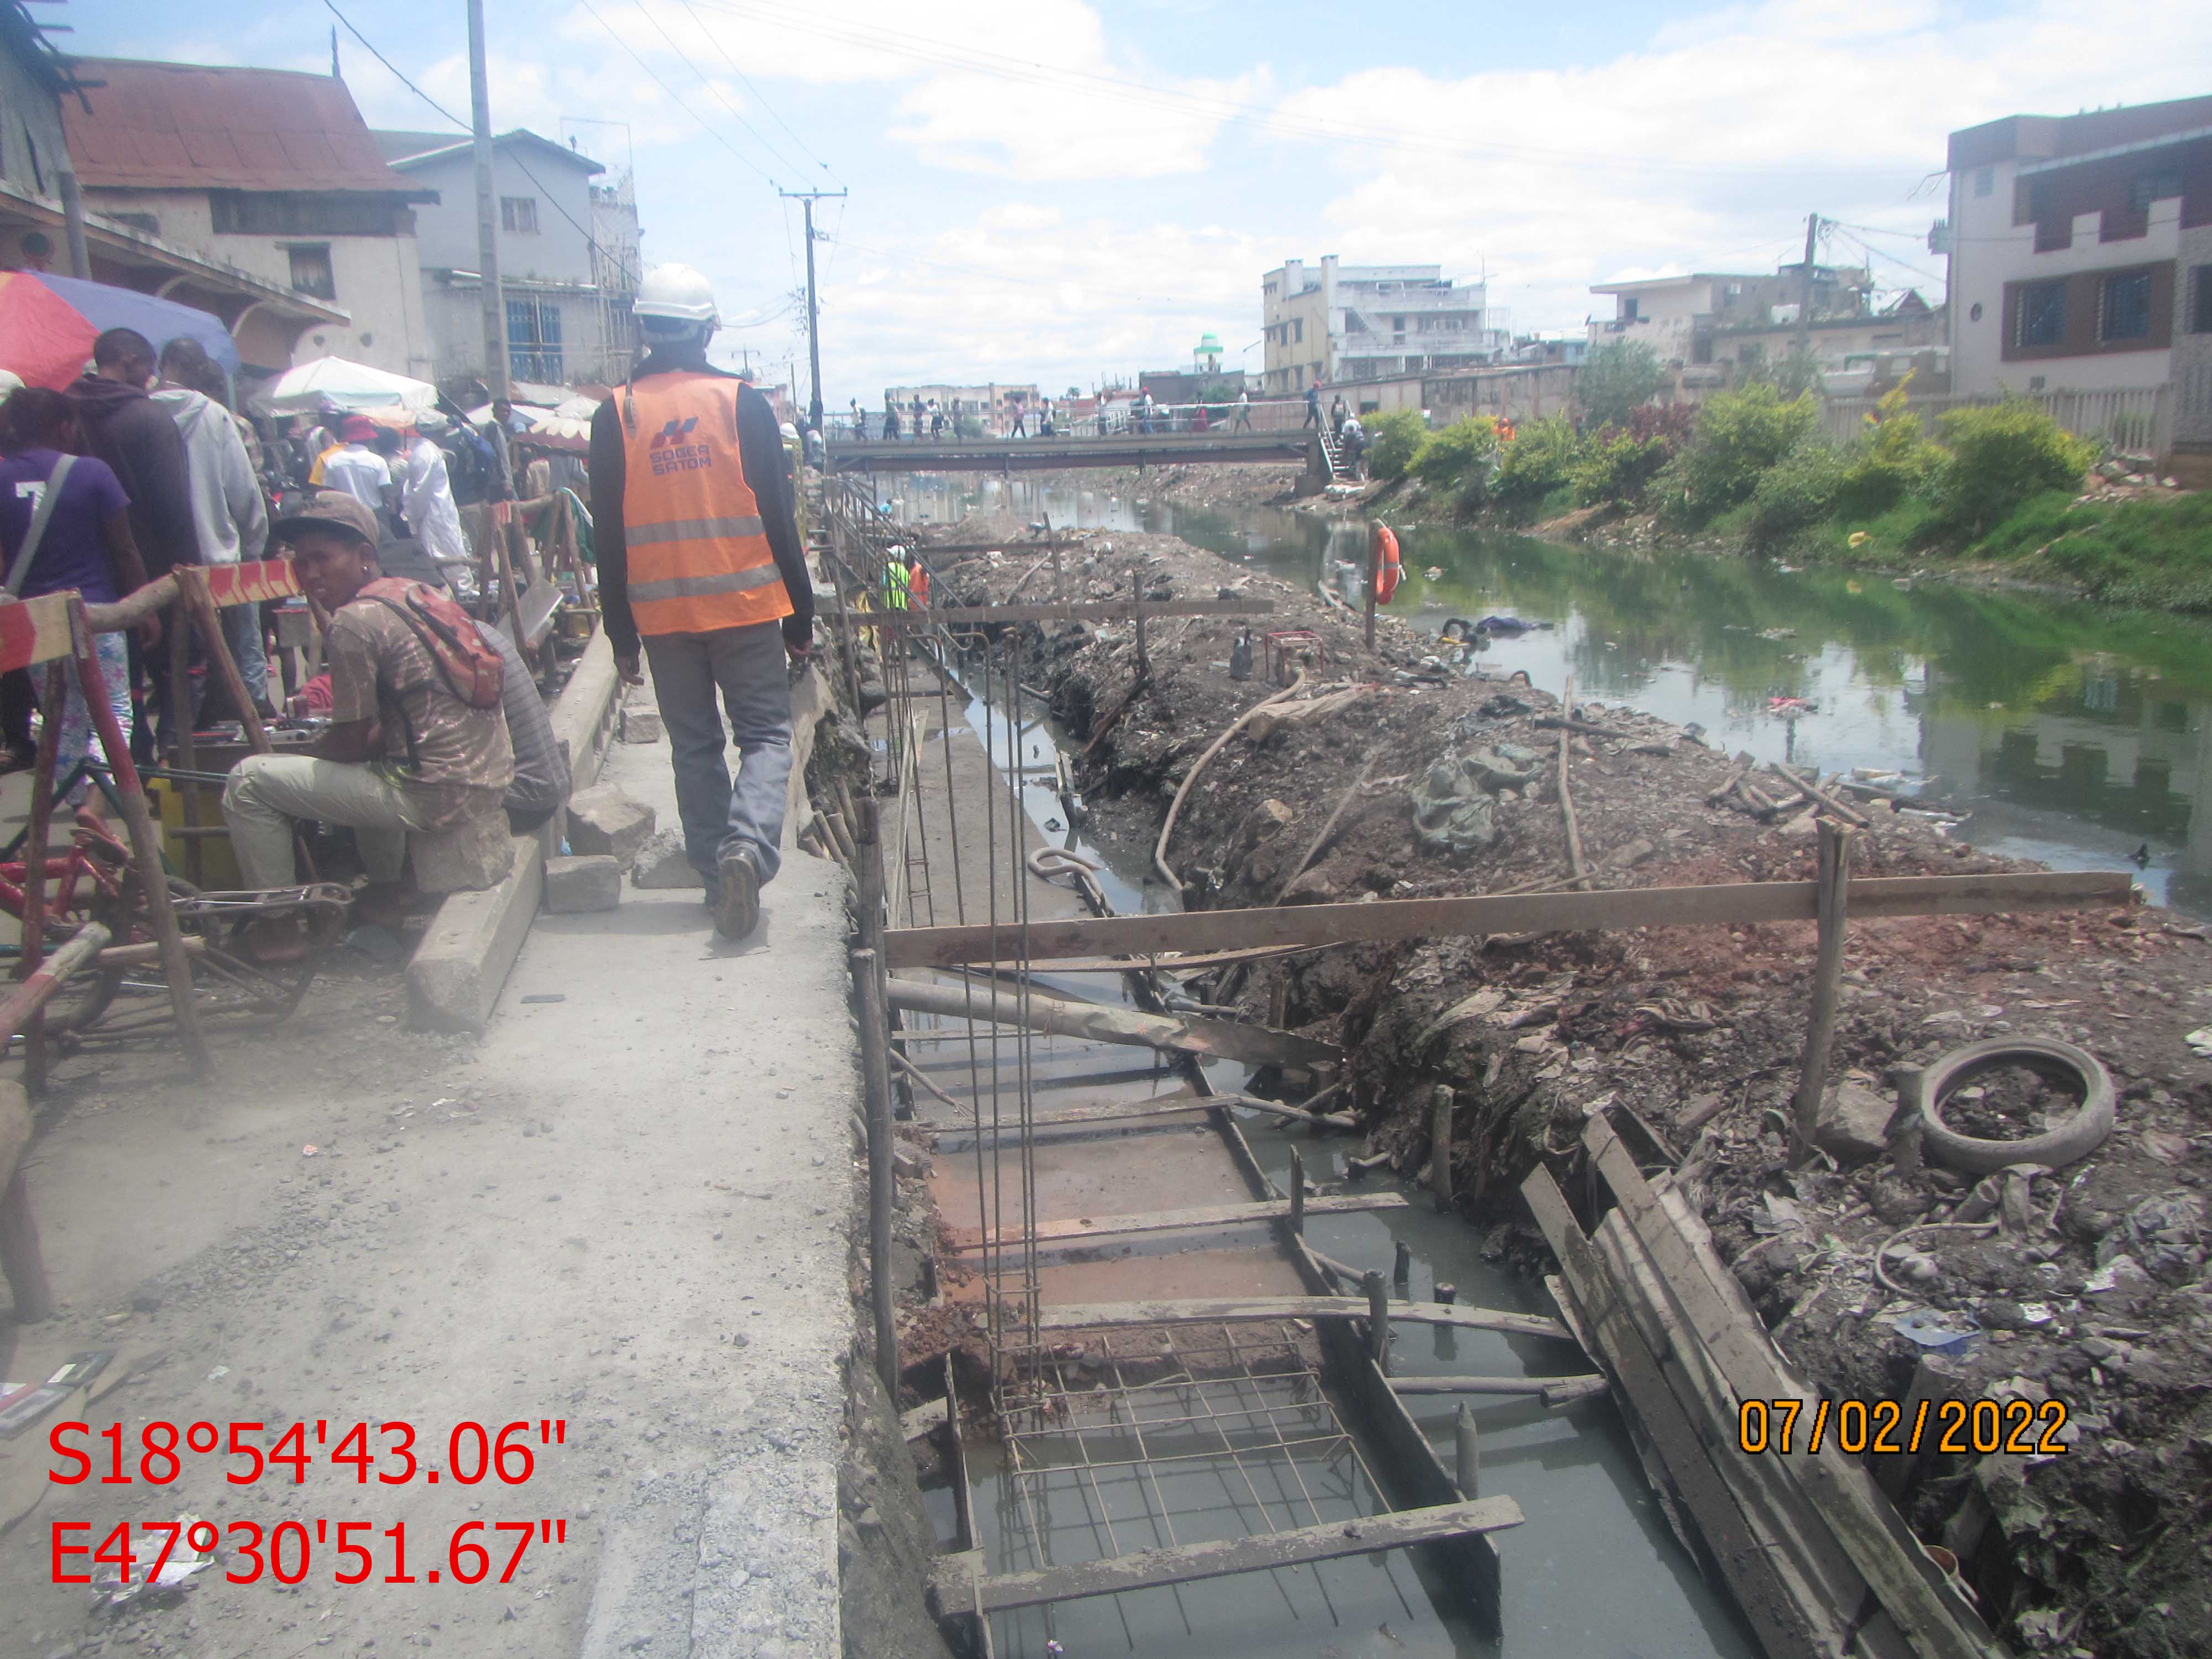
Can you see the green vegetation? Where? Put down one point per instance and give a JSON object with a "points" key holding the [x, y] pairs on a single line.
{"points": [[1393, 440], [1751, 468], [1617, 378]]}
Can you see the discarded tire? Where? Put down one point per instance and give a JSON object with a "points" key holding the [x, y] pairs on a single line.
{"points": [[2081, 1134]]}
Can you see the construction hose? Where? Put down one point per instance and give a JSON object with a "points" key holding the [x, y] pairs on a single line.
{"points": [[1047, 862], [2081, 1134]]}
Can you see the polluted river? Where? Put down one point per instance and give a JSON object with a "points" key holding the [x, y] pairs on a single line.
{"points": [[2070, 733]]}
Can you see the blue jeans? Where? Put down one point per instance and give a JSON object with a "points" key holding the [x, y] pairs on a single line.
{"points": [[746, 666], [241, 631]]}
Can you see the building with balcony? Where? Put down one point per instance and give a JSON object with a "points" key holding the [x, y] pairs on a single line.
{"points": [[2081, 257], [566, 289], [1333, 323], [256, 194]]}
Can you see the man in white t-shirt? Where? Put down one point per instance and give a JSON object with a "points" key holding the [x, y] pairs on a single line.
{"points": [[356, 469], [426, 494]]}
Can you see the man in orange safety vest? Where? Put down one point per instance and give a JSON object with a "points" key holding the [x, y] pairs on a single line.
{"points": [[700, 567]]}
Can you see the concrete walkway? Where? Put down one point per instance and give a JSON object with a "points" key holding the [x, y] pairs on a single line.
{"points": [[627, 1209]]}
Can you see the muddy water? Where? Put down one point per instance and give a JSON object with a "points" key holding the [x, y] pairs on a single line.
{"points": [[1593, 1571], [2069, 732]]}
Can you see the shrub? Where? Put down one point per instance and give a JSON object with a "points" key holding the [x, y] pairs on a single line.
{"points": [[1535, 463], [1739, 435], [1893, 460], [1796, 493], [1616, 465], [1460, 455], [1616, 377], [2001, 455], [1393, 440]]}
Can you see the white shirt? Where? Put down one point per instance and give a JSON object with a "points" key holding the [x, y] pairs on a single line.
{"points": [[426, 496], [361, 472]]}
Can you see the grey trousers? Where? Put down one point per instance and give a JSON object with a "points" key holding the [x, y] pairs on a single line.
{"points": [[746, 666]]}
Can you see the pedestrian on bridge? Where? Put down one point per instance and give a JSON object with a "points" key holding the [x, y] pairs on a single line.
{"points": [[859, 424], [1044, 420], [701, 564], [1313, 408], [1016, 431], [1243, 422], [915, 411]]}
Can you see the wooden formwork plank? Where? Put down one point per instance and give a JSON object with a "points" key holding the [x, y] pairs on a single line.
{"points": [[1733, 903], [1772, 1603], [1554, 1390], [1075, 610], [1082, 1229], [1184, 1564], [1938, 1622], [1239, 1311]]}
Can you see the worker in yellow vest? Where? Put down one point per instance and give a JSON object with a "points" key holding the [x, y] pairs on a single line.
{"points": [[701, 567], [895, 580]]}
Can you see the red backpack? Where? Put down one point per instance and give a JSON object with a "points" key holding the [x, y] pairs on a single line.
{"points": [[473, 670]]}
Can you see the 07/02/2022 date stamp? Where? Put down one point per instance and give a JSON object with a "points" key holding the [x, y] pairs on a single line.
{"points": [[1857, 1427], [344, 1551]]}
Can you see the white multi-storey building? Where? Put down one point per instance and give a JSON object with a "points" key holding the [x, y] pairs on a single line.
{"points": [[1341, 323]]}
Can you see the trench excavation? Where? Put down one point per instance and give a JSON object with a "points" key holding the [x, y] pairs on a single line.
{"points": [[1186, 1395]]}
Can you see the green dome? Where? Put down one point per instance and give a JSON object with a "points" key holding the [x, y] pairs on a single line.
{"points": [[1209, 343]]}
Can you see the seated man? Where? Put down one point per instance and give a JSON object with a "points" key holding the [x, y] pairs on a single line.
{"points": [[405, 751]]}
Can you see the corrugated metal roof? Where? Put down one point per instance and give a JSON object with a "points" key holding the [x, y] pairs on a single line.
{"points": [[190, 126]]}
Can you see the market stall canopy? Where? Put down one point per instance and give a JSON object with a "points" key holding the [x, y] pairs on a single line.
{"points": [[48, 324], [341, 383]]}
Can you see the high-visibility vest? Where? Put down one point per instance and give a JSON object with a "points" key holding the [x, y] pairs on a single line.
{"points": [[699, 559], [894, 588]]}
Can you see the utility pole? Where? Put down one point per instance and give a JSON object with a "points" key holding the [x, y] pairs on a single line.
{"points": [[808, 198], [1805, 288], [495, 304]]}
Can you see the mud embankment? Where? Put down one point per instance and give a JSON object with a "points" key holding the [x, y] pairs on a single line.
{"points": [[1692, 1037]]}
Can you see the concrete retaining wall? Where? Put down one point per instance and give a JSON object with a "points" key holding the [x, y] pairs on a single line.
{"points": [[465, 957]]}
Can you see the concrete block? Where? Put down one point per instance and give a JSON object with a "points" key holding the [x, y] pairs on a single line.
{"points": [[662, 862], [603, 819], [640, 724], [469, 857], [592, 882]]}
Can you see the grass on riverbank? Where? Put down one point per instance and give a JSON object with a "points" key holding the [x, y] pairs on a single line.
{"points": [[2155, 552]]}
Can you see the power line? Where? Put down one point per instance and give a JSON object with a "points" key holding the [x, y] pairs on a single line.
{"points": [[757, 91], [701, 75], [679, 103], [612, 257]]}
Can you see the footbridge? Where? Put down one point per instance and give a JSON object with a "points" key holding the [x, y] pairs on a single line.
{"points": [[1057, 454]]}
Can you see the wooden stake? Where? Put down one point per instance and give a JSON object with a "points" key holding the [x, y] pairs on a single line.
{"points": [[1567, 800], [1374, 559], [145, 844], [1298, 1192], [1440, 1143], [1378, 1321], [876, 1080], [1137, 598], [193, 584], [1467, 1459], [1837, 843], [35, 865], [184, 747]]}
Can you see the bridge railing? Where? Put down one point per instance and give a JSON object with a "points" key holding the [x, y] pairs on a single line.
{"points": [[1116, 420]]}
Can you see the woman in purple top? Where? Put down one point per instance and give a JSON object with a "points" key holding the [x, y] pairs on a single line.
{"points": [[87, 545]]}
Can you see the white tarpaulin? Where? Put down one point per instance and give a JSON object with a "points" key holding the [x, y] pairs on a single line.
{"points": [[342, 383]]}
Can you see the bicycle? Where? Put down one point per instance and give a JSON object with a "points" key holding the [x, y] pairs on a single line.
{"points": [[93, 880]]}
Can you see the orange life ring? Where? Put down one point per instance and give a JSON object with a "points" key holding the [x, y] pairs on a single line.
{"points": [[1388, 570]]}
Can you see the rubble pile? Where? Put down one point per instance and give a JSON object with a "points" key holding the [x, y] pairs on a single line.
{"points": [[2082, 1282]]}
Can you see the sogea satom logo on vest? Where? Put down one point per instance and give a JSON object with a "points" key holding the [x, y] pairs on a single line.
{"points": [[669, 453]]}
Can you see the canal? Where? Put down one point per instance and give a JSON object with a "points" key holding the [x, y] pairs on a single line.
{"points": [[2068, 732]]}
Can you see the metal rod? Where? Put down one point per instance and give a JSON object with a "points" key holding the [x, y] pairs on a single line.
{"points": [[1836, 842], [875, 1078]]}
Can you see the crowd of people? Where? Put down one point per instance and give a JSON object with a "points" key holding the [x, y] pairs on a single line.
{"points": [[145, 463]]}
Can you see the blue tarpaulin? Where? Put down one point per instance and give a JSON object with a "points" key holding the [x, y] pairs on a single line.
{"points": [[160, 321]]}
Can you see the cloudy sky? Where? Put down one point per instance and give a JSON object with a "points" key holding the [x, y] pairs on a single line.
{"points": [[1055, 191]]}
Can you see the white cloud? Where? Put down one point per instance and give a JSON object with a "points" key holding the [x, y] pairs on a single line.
{"points": [[1707, 149]]}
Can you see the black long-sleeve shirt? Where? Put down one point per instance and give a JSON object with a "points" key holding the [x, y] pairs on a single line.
{"points": [[760, 450]]}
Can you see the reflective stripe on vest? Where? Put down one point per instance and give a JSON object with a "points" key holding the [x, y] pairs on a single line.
{"points": [[699, 559]]}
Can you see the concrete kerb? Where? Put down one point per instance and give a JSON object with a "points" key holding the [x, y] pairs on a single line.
{"points": [[472, 942]]}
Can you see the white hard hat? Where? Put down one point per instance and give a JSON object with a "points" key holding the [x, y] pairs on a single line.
{"points": [[678, 293], [790, 432]]}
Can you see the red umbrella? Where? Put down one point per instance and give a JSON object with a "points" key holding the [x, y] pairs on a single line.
{"points": [[42, 338]]}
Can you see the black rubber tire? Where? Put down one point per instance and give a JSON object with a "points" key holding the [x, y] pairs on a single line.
{"points": [[2076, 1139]]}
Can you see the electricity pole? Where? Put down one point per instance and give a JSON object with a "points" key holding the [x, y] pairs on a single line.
{"points": [[495, 304], [1805, 288], [808, 198]]}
